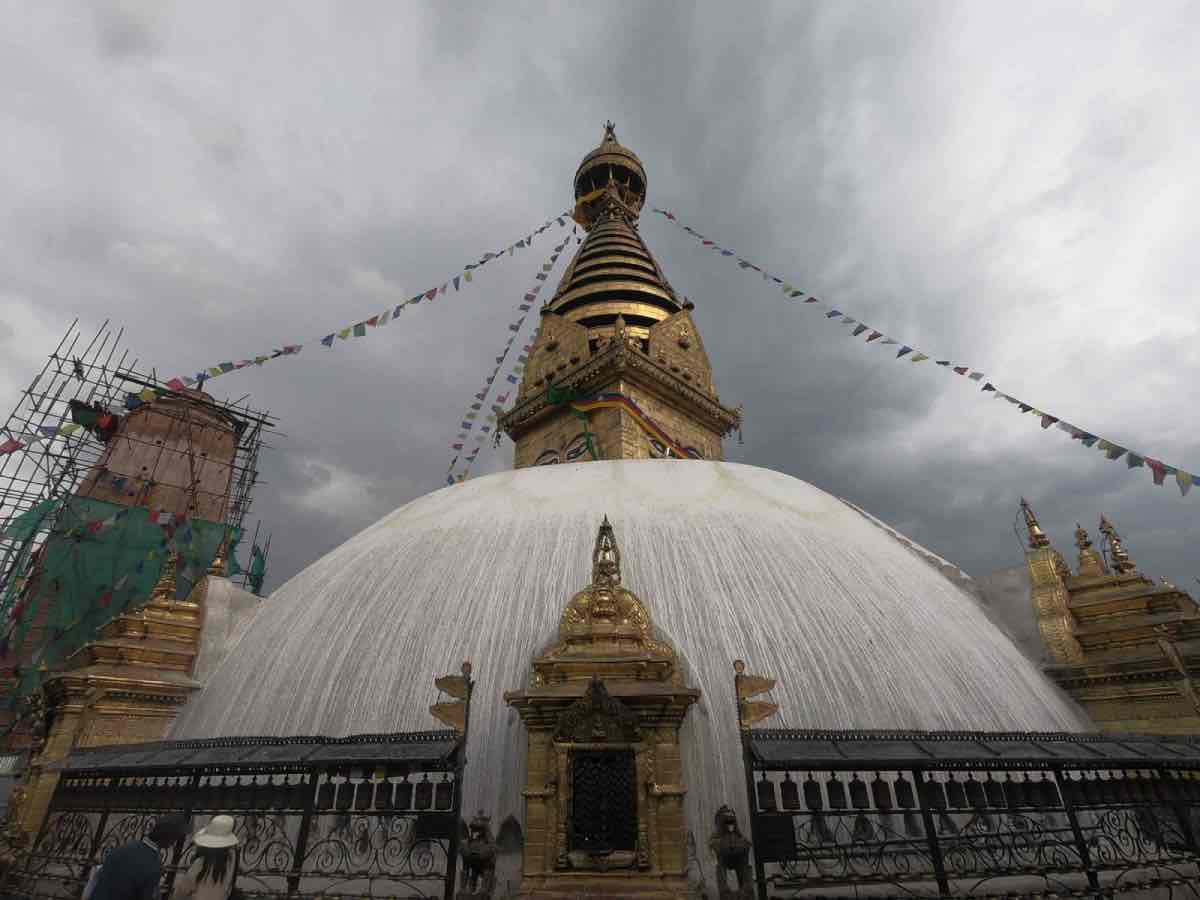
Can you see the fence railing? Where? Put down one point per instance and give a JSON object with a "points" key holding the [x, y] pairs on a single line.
{"points": [[368, 816], [938, 814]]}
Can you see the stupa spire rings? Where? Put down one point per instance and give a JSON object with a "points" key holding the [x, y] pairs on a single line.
{"points": [[606, 557], [1121, 561], [1037, 537], [1090, 562]]}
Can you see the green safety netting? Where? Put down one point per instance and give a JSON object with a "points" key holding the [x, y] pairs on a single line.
{"points": [[258, 568], [100, 559], [231, 564], [27, 524]]}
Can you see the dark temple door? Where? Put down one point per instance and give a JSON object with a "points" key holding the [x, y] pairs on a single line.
{"points": [[603, 801]]}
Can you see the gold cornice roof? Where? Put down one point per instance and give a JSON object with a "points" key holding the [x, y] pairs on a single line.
{"points": [[619, 358]]}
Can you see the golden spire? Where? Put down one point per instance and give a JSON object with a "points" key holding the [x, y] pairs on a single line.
{"points": [[1090, 562], [613, 273], [605, 621], [1037, 537], [606, 558], [1121, 563], [164, 588]]}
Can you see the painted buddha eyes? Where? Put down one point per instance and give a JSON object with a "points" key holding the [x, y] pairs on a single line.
{"points": [[577, 448]]}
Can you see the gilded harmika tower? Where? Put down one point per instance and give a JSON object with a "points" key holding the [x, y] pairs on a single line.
{"points": [[617, 370]]}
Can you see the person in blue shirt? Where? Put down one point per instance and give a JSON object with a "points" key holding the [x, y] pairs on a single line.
{"points": [[133, 871]]}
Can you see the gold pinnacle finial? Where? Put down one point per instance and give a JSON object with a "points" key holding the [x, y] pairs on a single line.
{"points": [[1090, 562], [606, 558], [164, 588], [1121, 562], [1081, 538], [1037, 537], [610, 132]]}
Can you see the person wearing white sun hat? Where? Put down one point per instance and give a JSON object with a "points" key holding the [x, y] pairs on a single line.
{"points": [[213, 873]]}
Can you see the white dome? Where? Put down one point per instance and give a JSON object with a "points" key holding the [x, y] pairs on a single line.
{"points": [[732, 562]]}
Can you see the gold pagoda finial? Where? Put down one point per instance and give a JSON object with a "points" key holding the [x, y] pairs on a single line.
{"points": [[1090, 562], [164, 588], [1121, 563], [606, 558], [610, 132], [1037, 537]]}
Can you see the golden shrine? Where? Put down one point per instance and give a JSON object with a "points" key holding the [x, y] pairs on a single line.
{"points": [[604, 787], [1125, 648]]}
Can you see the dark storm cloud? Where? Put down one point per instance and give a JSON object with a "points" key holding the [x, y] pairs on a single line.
{"points": [[1011, 188]]}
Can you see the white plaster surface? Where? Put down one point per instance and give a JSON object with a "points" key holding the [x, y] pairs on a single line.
{"points": [[731, 560]]}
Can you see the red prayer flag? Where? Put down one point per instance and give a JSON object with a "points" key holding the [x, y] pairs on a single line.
{"points": [[961, 370], [1158, 468], [10, 446], [374, 320], [176, 384]]}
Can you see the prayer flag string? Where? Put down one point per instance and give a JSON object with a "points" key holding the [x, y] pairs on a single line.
{"points": [[475, 416], [1112, 451], [12, 442]]}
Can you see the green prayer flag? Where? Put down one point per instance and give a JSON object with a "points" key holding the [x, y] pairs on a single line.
{"points": [[84, 416], [360, 329]]}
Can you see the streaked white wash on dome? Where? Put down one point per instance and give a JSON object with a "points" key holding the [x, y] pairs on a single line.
{"points": [[731, 560]]}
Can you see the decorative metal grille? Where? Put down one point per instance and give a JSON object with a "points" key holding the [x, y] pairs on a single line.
{"points": [[972, 815], [603, 801], [363, 817]]}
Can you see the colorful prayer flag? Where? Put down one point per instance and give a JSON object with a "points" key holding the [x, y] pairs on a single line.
{"points": [[919, 357], [833, 314], [873, 335], [176, 384], [1158, 469], [360, 330], [1184, 480], [10, 446], [328, 340], [903, 350]]}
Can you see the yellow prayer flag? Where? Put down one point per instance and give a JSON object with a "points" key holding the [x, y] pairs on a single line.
{"points": [[69, 429], [214, 371], [919, 357], [454, 685], [1185, 480], [148, 394], [345, 332], [752, 685], [452, 714], [467, 275], [757, 710]]}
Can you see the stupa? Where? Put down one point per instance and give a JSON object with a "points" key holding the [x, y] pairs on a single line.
{"points": [[623, 639]]}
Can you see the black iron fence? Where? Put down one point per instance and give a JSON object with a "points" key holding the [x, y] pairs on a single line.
{"points": [[839, 814], [365, 816]]}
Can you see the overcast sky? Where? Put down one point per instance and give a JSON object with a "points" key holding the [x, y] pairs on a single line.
{"points": [[1013, 186]]}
